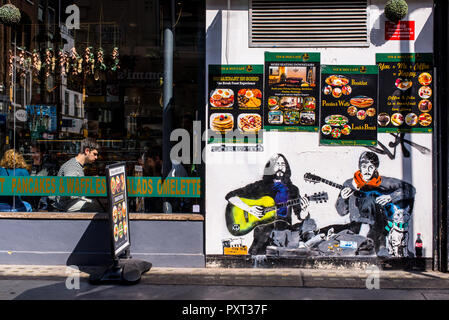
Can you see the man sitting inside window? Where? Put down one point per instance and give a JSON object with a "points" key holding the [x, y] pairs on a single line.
{"points": [[75, 168]]}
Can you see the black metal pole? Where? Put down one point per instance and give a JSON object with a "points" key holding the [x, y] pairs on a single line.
{"points": [[167, 121], [440, 143]]}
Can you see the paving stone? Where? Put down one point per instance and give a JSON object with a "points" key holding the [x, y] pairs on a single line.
{"points": [[282, 277]]}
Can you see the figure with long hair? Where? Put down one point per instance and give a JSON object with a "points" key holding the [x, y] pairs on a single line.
{"points": [[13, 164], [276, 183]]}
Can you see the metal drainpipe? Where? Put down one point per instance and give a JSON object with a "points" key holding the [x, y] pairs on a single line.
{"points": [[168, 93]]}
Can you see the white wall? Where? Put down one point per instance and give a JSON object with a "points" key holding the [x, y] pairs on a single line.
{"points": [[226, 172], [237, 51]]}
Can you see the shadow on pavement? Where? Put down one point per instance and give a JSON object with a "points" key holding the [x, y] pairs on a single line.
{"points": [[94, 248], [58, 291]]}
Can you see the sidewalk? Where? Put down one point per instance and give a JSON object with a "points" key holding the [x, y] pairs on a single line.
{"points": [[305, 278]]}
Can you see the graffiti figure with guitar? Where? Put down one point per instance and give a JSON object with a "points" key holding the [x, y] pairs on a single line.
{"points": [[372, 202], [266, 206]]}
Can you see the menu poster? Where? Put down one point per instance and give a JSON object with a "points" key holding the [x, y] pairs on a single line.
{"points": [[406, 91], [292, 87], [235, 103], [118, 207], [348, 111]]}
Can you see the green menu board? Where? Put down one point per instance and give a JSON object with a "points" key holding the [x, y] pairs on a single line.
{"points": [[406, 92], [291, 96], [235, 103], [348, 109]]}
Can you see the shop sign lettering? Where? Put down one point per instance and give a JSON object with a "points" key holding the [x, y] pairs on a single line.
{"points": [[96, 186]]}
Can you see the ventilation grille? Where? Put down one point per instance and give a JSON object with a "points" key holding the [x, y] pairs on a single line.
{"points": [[299, 23]]}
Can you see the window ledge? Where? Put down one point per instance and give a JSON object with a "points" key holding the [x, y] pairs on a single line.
{"points": [[99, 216]]}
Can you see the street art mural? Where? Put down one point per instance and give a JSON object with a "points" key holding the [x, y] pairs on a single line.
{"points": [[267, 207], [329, 202], [375, 205], [378, 208]]}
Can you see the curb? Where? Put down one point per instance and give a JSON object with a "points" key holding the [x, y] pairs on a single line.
{"points": [[249, 277]]}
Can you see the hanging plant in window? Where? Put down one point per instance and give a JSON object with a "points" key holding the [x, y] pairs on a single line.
{"points": [[23, 63], [100, 65], [67, 62], [89, 61], [48, 63], [115, 59], [62, 56], [396, 10], [76, 62], [53, 61], [10, 15], [37, 64], [11, 63], [49, 67]]}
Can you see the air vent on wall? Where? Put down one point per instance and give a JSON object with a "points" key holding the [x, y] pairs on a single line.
{"points": [[299, 23]]}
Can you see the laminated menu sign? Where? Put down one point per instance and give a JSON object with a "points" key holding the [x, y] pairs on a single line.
{"points": [[291, 91], [406, 91], [118, 207], [348, 110], [235, 103]]}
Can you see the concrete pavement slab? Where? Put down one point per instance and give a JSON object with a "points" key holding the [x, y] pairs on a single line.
{"points": [[56, 290], [307, 278]]}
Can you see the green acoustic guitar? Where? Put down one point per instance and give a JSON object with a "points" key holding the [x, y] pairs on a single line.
{"points": [[240, 222]]}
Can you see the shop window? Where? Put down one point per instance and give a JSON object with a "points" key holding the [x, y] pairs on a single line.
{"points": [[308, 24], [102, 81]]}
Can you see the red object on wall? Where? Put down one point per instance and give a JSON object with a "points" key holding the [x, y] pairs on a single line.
{"points": [[402, 30]]}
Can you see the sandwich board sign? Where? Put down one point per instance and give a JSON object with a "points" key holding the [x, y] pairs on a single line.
{"points": [[118, 208], [125, 269]]}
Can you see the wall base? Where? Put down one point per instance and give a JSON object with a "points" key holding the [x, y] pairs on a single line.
{"points": [[221, 261], [87, 242]]}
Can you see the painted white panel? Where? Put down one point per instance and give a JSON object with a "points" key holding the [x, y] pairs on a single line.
{"points": [[227, 43], [233, 46], [230, 171]]}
